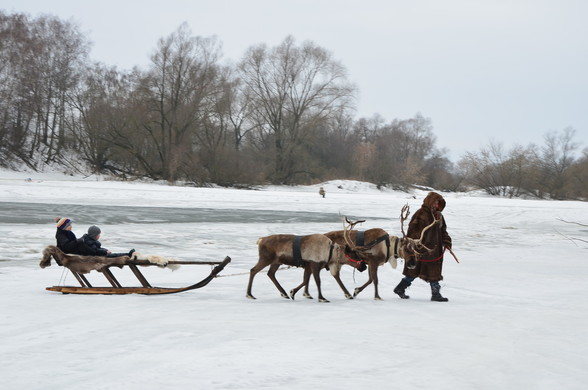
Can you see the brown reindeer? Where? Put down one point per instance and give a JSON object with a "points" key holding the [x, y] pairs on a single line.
{"points": [[278, 249], [380, 248]]}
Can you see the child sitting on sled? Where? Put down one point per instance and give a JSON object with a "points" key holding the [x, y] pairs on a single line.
{"points": [[89, 245], [66, 239]]}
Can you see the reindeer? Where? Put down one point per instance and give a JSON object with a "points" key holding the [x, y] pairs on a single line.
{"points": [[278, 249], [380, 248]]}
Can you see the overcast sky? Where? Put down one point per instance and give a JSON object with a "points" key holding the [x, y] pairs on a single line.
{"points": [[503, 70]]}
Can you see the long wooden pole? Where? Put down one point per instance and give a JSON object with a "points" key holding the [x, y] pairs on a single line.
{"points": [[179, 262]]}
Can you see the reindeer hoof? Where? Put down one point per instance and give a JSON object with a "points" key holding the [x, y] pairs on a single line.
{"points": [[348, 296], [378, 299], [323, 300], [308, 296], [292, 294], [356, 291], [285, 296], [250, 296]]}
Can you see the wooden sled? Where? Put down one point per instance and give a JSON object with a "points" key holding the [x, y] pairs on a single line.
{"points": [[147, 289]]}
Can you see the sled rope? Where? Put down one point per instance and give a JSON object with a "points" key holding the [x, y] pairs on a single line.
{"points": [[247, 273]]}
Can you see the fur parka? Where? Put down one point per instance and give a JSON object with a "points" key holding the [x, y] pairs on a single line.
{"points": [[436, 238], [89, 246], [66, 241]]}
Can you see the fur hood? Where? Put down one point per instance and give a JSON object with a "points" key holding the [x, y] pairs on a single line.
{"points": [[431, 198]]}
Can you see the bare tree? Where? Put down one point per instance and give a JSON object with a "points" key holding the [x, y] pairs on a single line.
{"points": [[577, 178], [178, 89], [224, 129], [100, 120], [556, 157], [398, 151], [41, 60], [293, 90], [500, 172]]}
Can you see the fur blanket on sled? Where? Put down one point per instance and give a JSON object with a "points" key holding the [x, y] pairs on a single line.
{"points": [[85, 264]]}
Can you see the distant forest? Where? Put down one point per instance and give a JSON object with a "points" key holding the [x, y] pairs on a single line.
{"points": [[282, 114]]}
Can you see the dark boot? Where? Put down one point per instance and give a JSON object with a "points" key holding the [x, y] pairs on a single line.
{"points": [[401, 288], [436, 294]]}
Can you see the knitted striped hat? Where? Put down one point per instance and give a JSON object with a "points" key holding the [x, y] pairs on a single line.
{"points": [[63, 223]]}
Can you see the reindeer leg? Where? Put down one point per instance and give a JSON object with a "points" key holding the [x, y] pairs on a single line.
{"points": [[306, 293], [374, 276], [272, 275], [256, 268], [305, 281], [370, 280], [337, 277], [317, 279]]}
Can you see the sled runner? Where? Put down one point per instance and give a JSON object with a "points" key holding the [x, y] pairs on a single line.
{"points": [[80, 265]]}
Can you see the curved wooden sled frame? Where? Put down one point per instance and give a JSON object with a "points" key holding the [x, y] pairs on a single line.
{"points": [[147, 289]]}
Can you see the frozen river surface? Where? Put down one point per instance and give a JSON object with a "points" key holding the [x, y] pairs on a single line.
{"points": [[41, 213]]}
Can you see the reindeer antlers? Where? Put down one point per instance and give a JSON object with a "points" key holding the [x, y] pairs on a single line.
{"points": [[435, 220], [404, 213], [347, 228], [352, 224]]}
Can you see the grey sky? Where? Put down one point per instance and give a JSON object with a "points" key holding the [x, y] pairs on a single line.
{"points": [[503, 70]]}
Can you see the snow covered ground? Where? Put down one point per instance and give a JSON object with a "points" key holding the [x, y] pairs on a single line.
{"points": [[517, 315]]}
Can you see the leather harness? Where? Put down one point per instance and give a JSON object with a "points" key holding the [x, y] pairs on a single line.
{"points": [[360, 241], [296, 251], [360, 238]]}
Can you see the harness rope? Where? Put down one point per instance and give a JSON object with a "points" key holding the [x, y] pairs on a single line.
{"points": [[247, 273], [437, 259], [354, 261], [440, 257]]}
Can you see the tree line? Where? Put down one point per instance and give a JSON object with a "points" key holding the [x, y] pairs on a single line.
{"points": [[282, 114]]}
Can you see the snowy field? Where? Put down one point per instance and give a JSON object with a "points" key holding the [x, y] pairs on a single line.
{"points": [[517, 315]]}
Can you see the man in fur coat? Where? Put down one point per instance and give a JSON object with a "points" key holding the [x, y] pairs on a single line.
{"points": [[428, 265]]}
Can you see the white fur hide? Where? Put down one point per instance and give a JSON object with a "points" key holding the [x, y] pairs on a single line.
{"points": [[156, 259]]}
